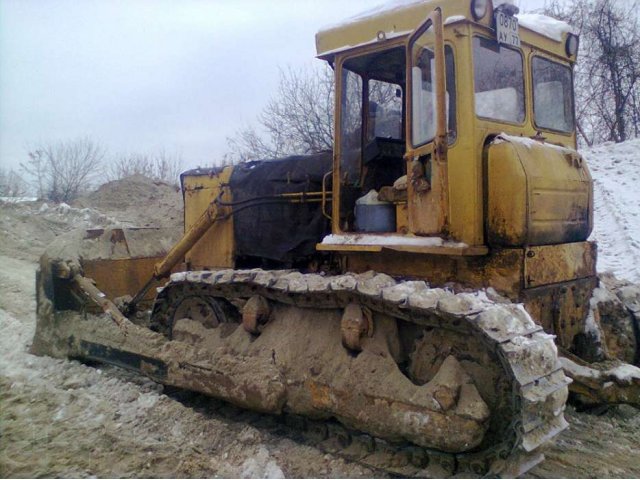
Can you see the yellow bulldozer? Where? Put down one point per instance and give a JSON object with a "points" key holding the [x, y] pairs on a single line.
{"points": [[419, 296]]}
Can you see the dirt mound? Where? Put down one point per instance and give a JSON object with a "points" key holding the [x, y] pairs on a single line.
{"points": [[137, 201], [27, 228]]}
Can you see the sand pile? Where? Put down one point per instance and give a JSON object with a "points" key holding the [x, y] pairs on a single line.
{"points": [[28, 227], [137, 201]]}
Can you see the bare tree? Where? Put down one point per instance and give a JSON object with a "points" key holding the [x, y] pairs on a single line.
{"points": [[608, 73], [12, 184], [299, 118], [60, 171], [161, 166]]}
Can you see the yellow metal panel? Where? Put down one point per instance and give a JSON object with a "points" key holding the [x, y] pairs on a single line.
{"points": [[437, 270], [321, 247], [402, 221], [116, 278], [561, 308], [506, 200], [465, 195], [547, 199], [559, 263], [404, 19], [216, 248], [502, 269]]}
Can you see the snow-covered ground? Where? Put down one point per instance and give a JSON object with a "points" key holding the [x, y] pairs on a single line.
{"points": [[616, 173]]}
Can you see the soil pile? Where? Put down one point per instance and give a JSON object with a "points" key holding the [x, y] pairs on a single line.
{"points": [[27, 228], [137, 201]]}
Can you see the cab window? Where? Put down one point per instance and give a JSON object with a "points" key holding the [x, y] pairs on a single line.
{"points": [[424, 97], [385, 110], [351, 124], [499, 81], [552, 95]]}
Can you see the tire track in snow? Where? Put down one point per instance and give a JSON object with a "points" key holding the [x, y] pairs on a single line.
{"points": [[616, 173], [616, 245]]}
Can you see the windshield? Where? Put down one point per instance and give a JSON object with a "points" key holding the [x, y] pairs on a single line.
{"points": [[385, 110], [499, 81]]}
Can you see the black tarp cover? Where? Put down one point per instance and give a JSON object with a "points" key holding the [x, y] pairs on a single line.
{"points": [[278, 231]]}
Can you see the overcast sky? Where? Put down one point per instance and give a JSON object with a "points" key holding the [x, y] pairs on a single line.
{"points": [[145, 75]]}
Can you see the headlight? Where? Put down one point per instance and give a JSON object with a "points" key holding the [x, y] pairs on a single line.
{"points": [[479, 8], [572, 45]]}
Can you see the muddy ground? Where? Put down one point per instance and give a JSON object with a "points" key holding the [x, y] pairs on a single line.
{"points": [[62, 418]]}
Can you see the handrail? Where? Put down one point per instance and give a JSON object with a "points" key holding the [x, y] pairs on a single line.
{"points": [[324, 193]]}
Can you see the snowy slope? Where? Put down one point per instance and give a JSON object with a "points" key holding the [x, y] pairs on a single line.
{"points": [[616, 173]]}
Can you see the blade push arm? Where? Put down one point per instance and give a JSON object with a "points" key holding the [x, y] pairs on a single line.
{"points": [[211, 215]]}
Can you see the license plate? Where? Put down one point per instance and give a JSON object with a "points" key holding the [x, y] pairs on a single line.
{"points": [[507, 29]]}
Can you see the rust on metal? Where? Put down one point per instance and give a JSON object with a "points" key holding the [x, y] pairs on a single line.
{"points": [[551, 264]]}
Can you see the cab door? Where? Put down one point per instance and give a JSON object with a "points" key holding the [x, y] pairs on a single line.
{"points": [[426, 129]]}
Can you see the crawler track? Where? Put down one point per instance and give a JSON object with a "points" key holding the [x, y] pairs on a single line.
{"points": [[527, 358]]}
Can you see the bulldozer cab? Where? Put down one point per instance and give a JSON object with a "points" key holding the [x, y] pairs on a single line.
{"points": [[417, 106], [390, 109]]}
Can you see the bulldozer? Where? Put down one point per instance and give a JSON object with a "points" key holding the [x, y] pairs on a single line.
{"points": [[421, 296]]}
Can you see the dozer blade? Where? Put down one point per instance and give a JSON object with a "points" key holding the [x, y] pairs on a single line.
{"points": [[113, 263]]}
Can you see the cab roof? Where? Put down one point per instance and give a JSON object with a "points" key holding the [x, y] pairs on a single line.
{"points": [[399, 18]]}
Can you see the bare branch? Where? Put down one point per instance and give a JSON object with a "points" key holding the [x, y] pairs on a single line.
{"points": [[298, 119], [162, 166], [61, 171], [607, 76], [12, 184]]}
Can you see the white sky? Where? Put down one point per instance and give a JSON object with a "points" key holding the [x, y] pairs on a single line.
{"points": [[145, 75]]}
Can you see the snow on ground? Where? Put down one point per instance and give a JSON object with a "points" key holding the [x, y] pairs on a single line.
{"points": [[61, 418], [64, 419], [616, 172], [17, 199]]}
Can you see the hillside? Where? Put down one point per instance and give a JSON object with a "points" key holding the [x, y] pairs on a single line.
{"points": [[616, 173]]}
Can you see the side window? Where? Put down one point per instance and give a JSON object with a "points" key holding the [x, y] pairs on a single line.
{"points": [[499, 81], [552, 95], [451, 93], [424, 97]]}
